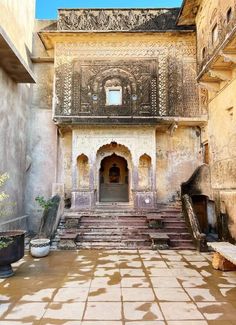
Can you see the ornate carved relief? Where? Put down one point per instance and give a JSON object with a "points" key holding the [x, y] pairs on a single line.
{"points": [[91, 79], [118, 19], [154, 85]]}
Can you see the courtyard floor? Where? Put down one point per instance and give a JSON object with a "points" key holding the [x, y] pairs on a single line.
{"points": [[92, 287]]}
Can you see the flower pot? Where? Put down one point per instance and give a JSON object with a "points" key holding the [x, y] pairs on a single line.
{"points": [[13, 252], [39, 247]]}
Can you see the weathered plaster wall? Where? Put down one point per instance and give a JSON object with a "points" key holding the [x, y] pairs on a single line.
{"points": [[64, 161], [177, 158], [222, 142], [173, 158], [14, 105], [211, 13], [17, 20], [42, 142]]}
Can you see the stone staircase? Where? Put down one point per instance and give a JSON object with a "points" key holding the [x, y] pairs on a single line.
{"points": [[124, 229]]}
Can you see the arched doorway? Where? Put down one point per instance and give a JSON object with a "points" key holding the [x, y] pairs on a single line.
{"points": [[114, 179]]}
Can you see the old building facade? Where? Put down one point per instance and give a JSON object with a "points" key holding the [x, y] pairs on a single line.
{"points": [[127, 104], [216, 43]]}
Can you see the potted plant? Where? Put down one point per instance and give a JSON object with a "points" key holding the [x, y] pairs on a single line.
{"points": [[40, 247], [11, 242]]}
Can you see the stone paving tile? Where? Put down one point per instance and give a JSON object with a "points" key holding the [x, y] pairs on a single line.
{"points": [[118, 288], [145, 311], [69, 311], [171, 294], [137, 294], [132, 272], [101, 323], [145, 323], [10, 322], [135, 282], [201, 294], [74, 282], [176, 264], [191, 322], [105, 294], [71, 294], [29, 310], [109, 281], [155, 264], [180, 311], [103, 272], [165, 282], [217, 310], [103, 311], [192, 282]]}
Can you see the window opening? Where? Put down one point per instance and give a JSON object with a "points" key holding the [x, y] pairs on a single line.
{"points": [[229, 15], [214, 34]]}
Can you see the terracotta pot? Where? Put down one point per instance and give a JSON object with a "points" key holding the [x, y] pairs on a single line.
{"points": [[39, 247], [13, 252]]}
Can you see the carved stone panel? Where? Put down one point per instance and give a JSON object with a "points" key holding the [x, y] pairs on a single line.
{"points": [[82, 85], [155, 79], [118, 19]]}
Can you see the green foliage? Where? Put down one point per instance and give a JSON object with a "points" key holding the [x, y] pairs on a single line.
{"points": [[5, 241], [43, 203], [5, 209]]}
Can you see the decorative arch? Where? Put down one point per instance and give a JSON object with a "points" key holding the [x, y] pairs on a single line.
{"points": [[103, 76], [82, 171], [117, 148], [105, 153], [144, 172]]}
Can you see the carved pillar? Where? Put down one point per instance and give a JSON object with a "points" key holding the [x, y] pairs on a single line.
{"points": [[74, 175]]}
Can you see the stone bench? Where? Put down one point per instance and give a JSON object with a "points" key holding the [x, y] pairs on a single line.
{"points": [[160, 241], [155, 221], [224, 257]]}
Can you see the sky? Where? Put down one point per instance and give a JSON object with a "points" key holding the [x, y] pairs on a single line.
{"points": [[47, 9]]}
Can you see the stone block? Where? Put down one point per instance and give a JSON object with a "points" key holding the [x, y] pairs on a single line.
{"points": [[219, 262]]}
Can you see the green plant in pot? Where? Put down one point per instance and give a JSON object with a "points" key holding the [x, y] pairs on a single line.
{"points": [[40, 246], [11, 241]]}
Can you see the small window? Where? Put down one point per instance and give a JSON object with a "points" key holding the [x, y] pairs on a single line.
{"points": [[206, 153], [203, 53], [230, 111], [113, 96], [214, 34], [229, 15]]}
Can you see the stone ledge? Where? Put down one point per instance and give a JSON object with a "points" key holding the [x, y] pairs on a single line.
{"points": [[12, 62]]}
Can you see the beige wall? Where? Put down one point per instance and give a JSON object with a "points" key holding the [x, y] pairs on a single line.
{"points": [[210, 13], [174, 158], [221, 102], [177, 158], [42, 139], [222, 142], [17, 20]]}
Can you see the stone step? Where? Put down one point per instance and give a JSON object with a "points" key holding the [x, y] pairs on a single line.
{"points": [[112, 226], [120, 227], [109, 245], [112, 219], [182, 243]]}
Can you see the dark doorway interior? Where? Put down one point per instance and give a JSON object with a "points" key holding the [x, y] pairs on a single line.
{"points": [[114, 179]]}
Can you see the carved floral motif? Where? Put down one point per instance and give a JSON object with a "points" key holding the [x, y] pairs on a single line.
{"points": [[118, 19], [158, 79]]}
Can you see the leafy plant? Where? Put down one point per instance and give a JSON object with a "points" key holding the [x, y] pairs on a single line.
{"points": [[5, 209], [5, 241], [43, 203]]}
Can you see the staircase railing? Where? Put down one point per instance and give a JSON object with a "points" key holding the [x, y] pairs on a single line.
{"points": [[199, 238]]}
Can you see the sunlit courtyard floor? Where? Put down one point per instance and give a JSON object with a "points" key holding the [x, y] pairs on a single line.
{"points": [[92, 287]]}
